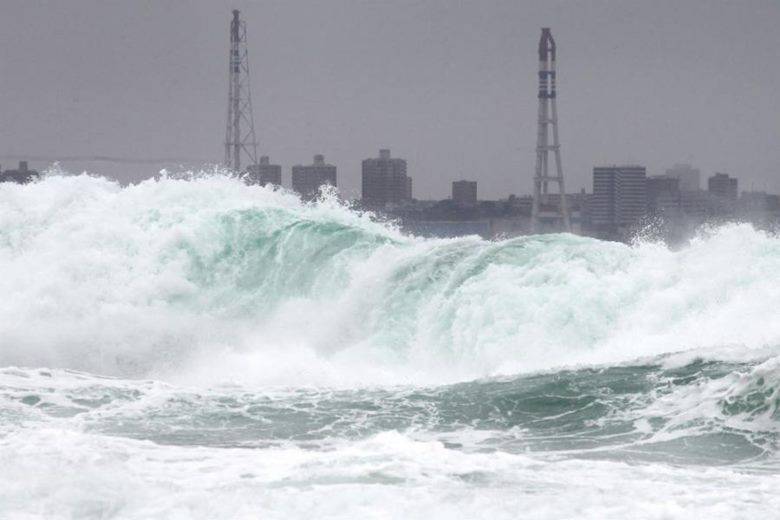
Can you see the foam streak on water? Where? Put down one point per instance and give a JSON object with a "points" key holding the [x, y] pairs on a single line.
{"points": [[197, 348]]}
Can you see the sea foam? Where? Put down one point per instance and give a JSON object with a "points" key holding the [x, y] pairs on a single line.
{"points": [[205, 279]]}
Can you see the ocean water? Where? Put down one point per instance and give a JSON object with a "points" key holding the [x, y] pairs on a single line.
{"points": [[197, 348]]}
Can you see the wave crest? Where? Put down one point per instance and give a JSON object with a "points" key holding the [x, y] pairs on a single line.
{"points": [[215, 279]]}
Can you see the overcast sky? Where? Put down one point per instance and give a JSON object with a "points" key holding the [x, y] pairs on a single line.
{"points": [[448, 85]]}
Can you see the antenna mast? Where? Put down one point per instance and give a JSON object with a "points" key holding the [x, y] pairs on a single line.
{"points": [[239, 142], [556, 217]]}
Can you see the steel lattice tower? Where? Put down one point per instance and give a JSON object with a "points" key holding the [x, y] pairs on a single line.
{"points": [[548, 119], [239, 141]]}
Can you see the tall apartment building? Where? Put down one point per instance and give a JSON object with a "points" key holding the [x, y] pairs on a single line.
{"points": [[688, 176], [384, 180], [464, 193], [264, 173], [723, 185], [306, 180], [619, 198]]}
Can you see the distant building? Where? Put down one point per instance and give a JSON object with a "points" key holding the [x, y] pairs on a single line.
{"points": [[758, 201], [689, 177], [619, 198], [723, 185], [384, 180], [449, 229], [464, 193], [660, 187], [697, 206], [264, 173], [307, 180], [21, 176]]}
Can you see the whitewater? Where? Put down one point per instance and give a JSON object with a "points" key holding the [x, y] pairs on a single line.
{"points": [[193, 347]]}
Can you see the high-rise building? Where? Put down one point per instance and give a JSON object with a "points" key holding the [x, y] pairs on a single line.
{"points": [[723, 185], [307, 180], [384, 180], [688, 176], [264, 173], [464, 193], [619, 198]]}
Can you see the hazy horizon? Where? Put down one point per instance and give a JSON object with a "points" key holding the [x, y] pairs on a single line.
{"points": [[451, 88]]}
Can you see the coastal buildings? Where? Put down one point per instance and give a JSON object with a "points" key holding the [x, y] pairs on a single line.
{"points": [[464, 193], [307, 180], [688, 176], [723, 185], [264, 173], [619, 198], [661, 188], [22, 175], [384, 181]]}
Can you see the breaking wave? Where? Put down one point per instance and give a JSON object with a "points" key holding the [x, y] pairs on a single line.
{"points": [[206, 279], [197, 348]]}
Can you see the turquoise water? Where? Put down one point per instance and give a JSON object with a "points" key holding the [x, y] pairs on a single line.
{"points": [[197, 348]]}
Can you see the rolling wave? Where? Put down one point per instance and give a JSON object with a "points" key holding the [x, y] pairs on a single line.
{"points": [[192, 347], [206, 279]]}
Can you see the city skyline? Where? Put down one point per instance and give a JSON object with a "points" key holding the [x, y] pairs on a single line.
{"points": [[479, 124]]}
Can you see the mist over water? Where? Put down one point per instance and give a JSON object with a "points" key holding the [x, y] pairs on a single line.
{"points": [[195, 347]]}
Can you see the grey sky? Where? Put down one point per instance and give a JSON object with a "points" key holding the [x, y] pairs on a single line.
{"points": [[450, 86]]}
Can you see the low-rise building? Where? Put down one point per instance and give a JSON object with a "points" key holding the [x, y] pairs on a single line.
{"points": [[464, 193], [22, 175]]}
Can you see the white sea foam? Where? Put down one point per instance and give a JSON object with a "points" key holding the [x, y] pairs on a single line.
{"points": [[207, 280], [53, 473]]}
